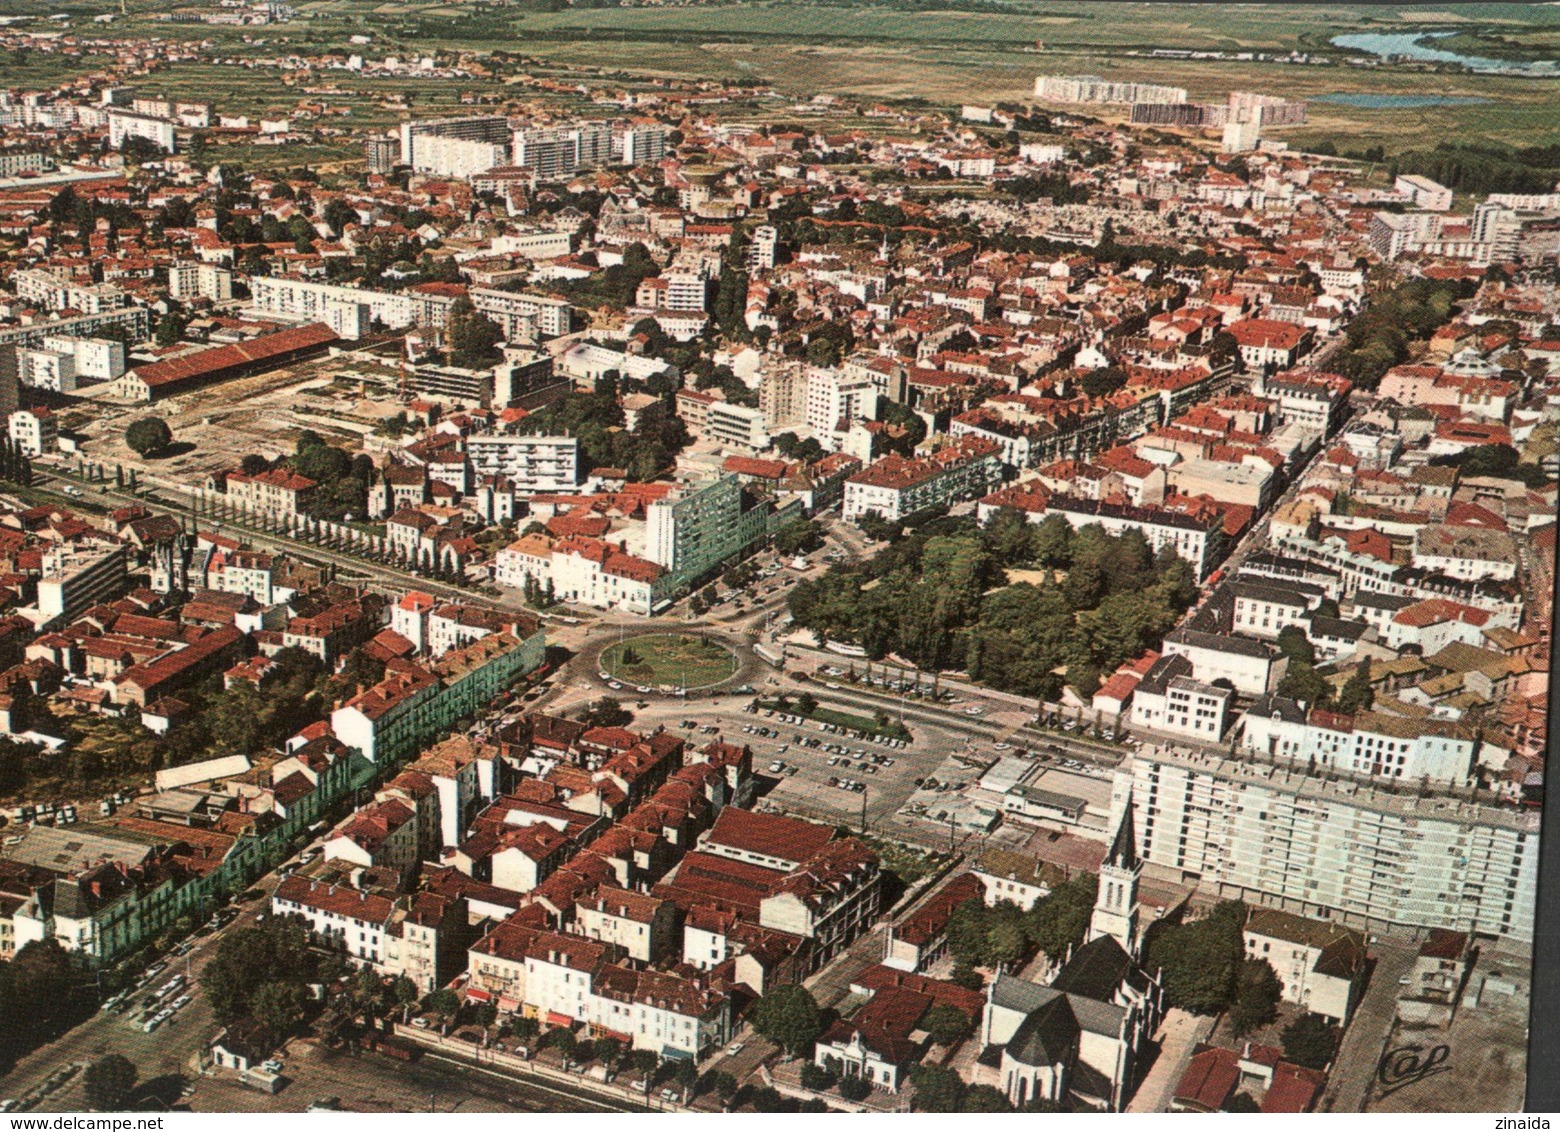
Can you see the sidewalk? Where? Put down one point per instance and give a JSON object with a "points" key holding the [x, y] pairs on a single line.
{"points": [[1179, 1034]]}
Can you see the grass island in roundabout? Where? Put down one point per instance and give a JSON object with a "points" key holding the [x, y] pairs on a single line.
{"points": [[669, 661]]}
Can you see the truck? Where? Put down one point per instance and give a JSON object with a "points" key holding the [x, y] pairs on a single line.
{"points": [[261, 1080], [769, 656]]}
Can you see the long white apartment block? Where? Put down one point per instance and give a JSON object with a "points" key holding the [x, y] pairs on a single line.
{"points": [[1368, 856]]}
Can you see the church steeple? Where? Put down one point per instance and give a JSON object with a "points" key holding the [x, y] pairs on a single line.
{"points": [[1116, 906]]}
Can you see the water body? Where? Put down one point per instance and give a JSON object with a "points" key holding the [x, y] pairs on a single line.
{"points": [[1396, 101], [1405, 44]]}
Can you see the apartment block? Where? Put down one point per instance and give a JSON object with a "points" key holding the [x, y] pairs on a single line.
{"points": [[1338, 850]]}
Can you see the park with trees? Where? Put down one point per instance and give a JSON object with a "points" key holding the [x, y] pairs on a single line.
{"points": [[941, 597]]}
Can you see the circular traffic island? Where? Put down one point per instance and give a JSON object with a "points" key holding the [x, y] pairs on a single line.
{"points": [[666, 662]]}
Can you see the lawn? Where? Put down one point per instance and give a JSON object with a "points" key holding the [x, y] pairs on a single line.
{"points": [[866, 724], [670, 660]]}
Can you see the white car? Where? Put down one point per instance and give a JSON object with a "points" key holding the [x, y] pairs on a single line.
{"points": [[735, 1048]]}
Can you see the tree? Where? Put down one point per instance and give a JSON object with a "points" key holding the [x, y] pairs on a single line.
{"points": [[1294, 644], [148, 435], [645, 1062], [607, 712], [108, 1081], [562, 1039], [1357, 694], [768, 1099], [788, 1016], [984, 1098], [1005, 943], [967, 927], [608, 1051], [233, 719], [1302, 682], [1103, 382], [170, 331], [278, 1006], [1199, 960], [443, 1002], [472, 336], [946, 1024], [855, 1089], [338, 214], [1257, 993], [1309, 1040], [36, 997], [1061, 919], [816, 1077], [937, 1089], [800, 536], [725, 1084]]}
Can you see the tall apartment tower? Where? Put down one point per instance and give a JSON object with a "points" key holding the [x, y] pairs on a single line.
{"points": [[382, 153], [761, 252]]}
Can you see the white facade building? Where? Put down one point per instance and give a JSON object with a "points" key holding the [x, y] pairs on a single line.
{"points": [[531, 463], [736, 425], [1338, 850]]}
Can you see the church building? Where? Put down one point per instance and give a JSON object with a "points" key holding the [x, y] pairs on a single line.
{"points": [[1080, 1039]]}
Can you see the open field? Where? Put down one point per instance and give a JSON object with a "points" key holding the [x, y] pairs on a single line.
{"points": [[868, 51]]}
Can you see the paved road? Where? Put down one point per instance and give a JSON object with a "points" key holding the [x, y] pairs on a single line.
{"points": [[1354, 1069], [1178, 1035], [105, 495]]}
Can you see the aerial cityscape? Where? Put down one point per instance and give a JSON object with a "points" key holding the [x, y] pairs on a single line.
{"points": [[774, 556]]}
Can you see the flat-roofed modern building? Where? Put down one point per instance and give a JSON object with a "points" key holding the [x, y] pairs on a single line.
{"points": [[1337, 849], [531, 463]]}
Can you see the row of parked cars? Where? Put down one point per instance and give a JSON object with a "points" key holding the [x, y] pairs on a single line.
{"points": [[52, 1084]]}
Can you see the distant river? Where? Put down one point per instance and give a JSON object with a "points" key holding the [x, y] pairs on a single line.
{"points": [[1405, 44]]}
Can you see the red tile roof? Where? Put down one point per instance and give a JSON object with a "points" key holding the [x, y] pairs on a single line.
{"points": [[207, 363], [769, 835]]}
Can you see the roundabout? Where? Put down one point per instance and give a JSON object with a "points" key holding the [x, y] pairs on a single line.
{"points": [[668, 662]]}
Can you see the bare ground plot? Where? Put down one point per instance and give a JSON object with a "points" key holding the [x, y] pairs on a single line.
{"points": [[1484, 1068], [262, 414]]}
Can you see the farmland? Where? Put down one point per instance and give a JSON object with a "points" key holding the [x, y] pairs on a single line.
{"points": [[871, 52]]}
